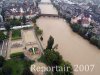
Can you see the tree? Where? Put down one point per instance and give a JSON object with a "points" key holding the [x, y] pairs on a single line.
{"points": [[68, 68], [41, 38], [27, 71], [50, 43], [24, 20], [94, 39], [15, 22], [2, 36], [99, 43], [12, 21], [3, 14], [52, 58], [7, 70], [82, 31], [1, 72], [75, 27], [38, 31], [2, 60], [34, 20], [7, 27]]}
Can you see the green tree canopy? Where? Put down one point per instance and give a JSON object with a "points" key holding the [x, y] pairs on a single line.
{"points": [[50, 43], [27, 71], [7, 26], [7, 70], [24, 20], [2, 36], [15, 22], [52, 58]]}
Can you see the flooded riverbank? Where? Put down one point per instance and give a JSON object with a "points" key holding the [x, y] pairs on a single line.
{"points": [[71, 46]]}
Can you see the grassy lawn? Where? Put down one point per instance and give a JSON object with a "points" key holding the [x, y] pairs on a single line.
{"points": [[18, 65], [16, 34]]}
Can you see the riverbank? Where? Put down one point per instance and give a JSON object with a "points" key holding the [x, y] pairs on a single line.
{"points": [[91, 33]]}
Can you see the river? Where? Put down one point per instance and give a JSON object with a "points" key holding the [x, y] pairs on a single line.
{"points": [[72, 47]]}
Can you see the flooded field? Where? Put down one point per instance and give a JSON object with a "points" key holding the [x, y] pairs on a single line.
{"points": [[16, 46], [29, 39]]}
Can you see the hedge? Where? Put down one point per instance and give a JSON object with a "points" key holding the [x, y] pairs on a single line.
{"points": [[17, 55]]}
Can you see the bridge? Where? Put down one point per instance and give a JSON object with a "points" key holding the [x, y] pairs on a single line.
{"points": [[45, 3], [50, 15]]}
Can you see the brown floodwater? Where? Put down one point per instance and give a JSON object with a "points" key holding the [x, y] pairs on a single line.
{"points": [[71, 46], [45, 8]]}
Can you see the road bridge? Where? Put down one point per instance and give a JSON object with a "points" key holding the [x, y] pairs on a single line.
{"points": [[50, 15]]}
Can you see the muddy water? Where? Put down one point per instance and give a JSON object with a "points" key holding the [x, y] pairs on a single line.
{"points": [[71, 46], [45, 8]]}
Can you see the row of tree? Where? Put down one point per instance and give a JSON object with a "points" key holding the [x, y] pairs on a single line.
{"points": [[17, 22], [87, 33]]}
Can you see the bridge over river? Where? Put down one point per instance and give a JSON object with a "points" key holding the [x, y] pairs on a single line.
{"points": [[47, 13], [45, 3], [50, 15], [71, 46]]}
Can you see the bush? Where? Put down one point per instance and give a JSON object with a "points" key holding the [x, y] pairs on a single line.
{"points": [[75, 27], [99, 44], [82, 31], [17, 55], [38, 31], [2, 36], [2, 60], [89, 35], [95, 40], [68, 19]]}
